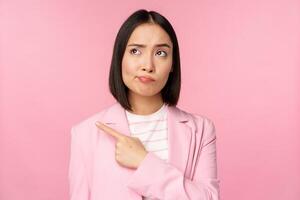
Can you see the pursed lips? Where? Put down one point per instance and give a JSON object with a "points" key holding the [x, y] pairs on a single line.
{"points": [[145, 78]]}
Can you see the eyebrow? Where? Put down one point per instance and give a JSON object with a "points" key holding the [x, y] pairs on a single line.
{"points": [[143, 46]]}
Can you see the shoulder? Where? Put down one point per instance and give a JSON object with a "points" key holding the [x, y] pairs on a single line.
{"points": [[87, 125], [196, 117], [204, 124]]}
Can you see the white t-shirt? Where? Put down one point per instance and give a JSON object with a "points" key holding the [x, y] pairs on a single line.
{"points": [[152, 131]]}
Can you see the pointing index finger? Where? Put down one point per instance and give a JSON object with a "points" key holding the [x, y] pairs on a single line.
{"points": [[109, 130]]}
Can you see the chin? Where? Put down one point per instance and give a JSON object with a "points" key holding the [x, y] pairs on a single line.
{"points": [[146, 93]]}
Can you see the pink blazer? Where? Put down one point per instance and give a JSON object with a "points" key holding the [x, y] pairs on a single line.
{"points": [[190, 172]]}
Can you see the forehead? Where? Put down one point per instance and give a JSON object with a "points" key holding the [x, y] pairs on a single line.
{"points": [[149, 34]]}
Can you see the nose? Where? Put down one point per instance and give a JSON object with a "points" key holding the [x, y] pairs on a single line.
{"points": [[148, 64]]}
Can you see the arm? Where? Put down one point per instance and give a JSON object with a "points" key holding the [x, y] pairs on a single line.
{"points": [[78, 183], [156, 178]]}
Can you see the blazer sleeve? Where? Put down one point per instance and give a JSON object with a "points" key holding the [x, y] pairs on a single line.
{"points": [[157, 179], [78, 182]]}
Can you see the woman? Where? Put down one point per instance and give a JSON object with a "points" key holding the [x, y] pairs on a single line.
{"points": [[143, 146]]}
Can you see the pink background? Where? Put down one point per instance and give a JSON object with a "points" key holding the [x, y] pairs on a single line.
{"points": [[240, 67]]}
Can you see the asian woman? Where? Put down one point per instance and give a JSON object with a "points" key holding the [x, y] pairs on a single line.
{"points": [[143, 146]]}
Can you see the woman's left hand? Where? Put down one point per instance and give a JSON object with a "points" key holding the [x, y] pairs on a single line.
{"points": [[129, 151]]}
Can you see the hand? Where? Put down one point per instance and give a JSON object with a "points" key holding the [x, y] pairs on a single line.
{"points": [[129, 151]]}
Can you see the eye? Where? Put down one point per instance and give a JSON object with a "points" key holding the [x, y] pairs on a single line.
{"points": [[134, 50], [162, 53]]}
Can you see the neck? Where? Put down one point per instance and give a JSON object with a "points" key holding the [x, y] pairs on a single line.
{"points": [[145, 105]]}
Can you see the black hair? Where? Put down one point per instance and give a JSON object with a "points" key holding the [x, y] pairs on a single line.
{"points": [[170, 92]]}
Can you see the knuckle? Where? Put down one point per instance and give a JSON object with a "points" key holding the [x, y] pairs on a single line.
{"points": [[118, 158], [118, 144], [117, 152]]}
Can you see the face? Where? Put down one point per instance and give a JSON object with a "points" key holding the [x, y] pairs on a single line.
{"points": [[148, 54]]}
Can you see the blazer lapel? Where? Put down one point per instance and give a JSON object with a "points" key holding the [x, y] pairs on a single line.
{"points": [[181, 133]]}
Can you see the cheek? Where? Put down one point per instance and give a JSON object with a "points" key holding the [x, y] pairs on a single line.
{"points": [[128, 69], [165, 76], [165, 69]]}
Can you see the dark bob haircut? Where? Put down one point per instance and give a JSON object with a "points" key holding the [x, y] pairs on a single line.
{"points": [[170, 92]]}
